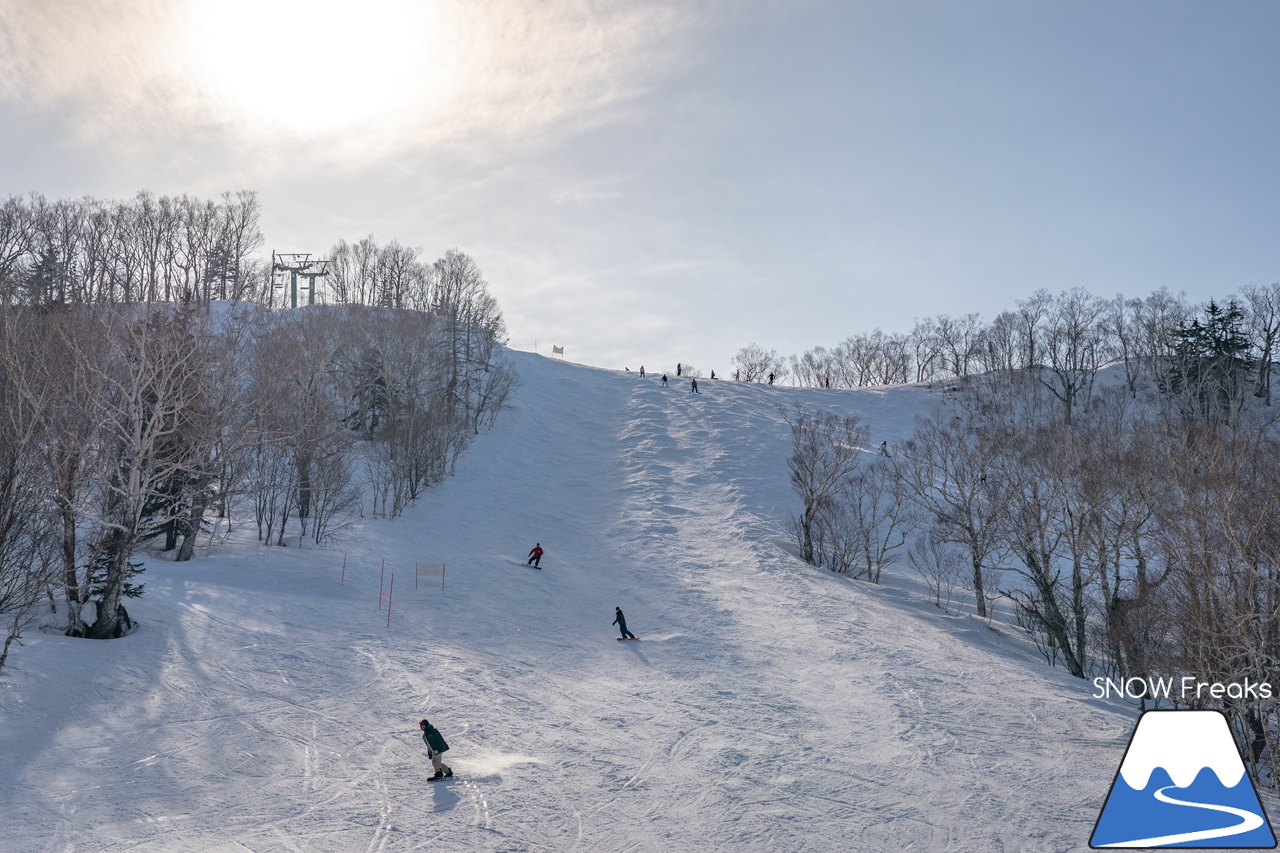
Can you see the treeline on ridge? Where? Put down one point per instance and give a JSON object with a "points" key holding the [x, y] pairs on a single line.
{"points": [[1130, 520], [135, 408]]}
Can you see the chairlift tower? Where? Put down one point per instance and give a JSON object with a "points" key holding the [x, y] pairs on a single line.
{"points": [[299, 265]]}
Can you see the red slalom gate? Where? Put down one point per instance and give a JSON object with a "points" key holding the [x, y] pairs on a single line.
{"points": [[391, 592]]}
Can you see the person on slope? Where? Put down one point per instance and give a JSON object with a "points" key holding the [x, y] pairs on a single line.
{"points": [[642, 371], [694, 386], [621, 622], [534, 556], [436, 747], [664, 380]]}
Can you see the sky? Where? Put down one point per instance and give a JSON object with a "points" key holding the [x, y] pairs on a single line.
{"points": [[669, 181]]}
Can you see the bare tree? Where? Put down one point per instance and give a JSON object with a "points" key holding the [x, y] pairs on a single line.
{"points": [[813, 369], [880, 507], [1031, 315], [216, 438], [1073, 343], [27, 563], [951, 475], [755, 363], [940, 563], [1031, 518], [826, 450], [1158, 318], [1123, 332], [58, 390], [239, 237], [1263, 327], [1216, 533], [960, 339], [150, 391], [1001, 350], [927, 347], [1108, 461], [472, 325], [17, 233]]}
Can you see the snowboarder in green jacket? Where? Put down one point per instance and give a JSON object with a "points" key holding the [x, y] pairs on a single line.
{"points": [[436, 747]]}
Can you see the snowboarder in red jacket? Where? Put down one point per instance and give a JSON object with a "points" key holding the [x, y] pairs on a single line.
{"points": [[534, 556]]}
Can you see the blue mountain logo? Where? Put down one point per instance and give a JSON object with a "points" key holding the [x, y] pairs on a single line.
{"points": [[1182, 784]]}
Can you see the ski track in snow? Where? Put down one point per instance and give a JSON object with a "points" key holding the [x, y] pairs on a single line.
{"points": [[266, 706]]}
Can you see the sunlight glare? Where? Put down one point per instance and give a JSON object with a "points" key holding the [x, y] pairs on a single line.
{"points": [[317, 65]]}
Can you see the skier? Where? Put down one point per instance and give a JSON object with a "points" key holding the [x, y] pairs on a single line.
{"points": [[713, 374], [436, 747], [694, 386], [664, 380], [621, 622], [677, 369], [884, 448], [534, 556], [642, 371], [770, 378]]}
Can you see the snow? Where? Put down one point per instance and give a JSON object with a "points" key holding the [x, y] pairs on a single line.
{"points": [[265, 704]]}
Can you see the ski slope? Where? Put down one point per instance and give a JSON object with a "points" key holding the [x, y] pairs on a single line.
{"points": [[265, 704]]}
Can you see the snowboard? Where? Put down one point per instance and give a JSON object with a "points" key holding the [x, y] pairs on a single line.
{"points": [[441, 779], [628, 639]]}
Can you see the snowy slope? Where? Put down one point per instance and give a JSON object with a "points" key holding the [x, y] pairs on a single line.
{"points": [[265, 704]]}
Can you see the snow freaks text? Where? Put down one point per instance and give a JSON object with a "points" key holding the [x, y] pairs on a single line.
{"points": [[1187, 688]]}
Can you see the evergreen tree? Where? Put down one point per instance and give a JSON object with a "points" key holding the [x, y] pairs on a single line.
{"points": [[43, 285], [1211, 363]]}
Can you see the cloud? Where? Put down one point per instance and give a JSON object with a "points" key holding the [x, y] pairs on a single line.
{"points": [[82, 50], [573, 196], [526, 66], [502, 72]]}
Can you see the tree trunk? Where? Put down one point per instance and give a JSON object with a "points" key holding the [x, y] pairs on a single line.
{"points": [[8, 641], [199, 502], [806, 525], [979, 592], [70, 578], [111, 621]]}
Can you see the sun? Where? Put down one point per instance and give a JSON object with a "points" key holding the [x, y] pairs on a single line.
{"points": [[315, 65]]}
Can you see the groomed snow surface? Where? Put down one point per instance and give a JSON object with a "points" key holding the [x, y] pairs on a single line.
{"points": [[265, 705]]}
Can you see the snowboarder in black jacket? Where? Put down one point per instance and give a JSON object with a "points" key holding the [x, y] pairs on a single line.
{"points": [[436, 747], [621, 622]]}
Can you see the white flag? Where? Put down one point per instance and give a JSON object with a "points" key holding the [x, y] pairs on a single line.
{"points": [[555, 349]]}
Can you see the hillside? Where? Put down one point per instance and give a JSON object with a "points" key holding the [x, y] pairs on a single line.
{"points": [[265, 704]]}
